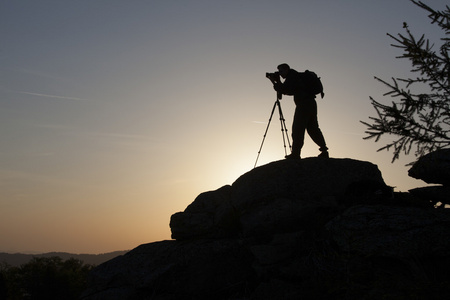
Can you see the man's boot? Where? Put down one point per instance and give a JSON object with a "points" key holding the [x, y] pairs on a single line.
{"points": [[324, 152], [292, 156]]}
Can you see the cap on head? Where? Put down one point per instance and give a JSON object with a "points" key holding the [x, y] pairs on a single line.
{"points": [[283, 67]]}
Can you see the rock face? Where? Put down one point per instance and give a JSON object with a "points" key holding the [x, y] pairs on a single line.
{"points": [[308, 229]]}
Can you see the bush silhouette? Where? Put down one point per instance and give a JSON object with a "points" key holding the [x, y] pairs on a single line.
{"points": [[44, 278]]}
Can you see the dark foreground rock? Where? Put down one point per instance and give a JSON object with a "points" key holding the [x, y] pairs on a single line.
{"points": [[174, 270], [439, 195], [309, 229]]}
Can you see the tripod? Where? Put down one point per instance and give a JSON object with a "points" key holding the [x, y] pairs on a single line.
{"points": [[284, 131]]}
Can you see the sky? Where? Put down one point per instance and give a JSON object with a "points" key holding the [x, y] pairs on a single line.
{"points": [[116, 114]]}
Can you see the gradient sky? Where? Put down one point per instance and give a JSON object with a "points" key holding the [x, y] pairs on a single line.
{"points": [[117, 114]]}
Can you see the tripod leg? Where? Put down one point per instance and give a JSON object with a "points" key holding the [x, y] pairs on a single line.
{"points": [[265, 133], [284, 131]]}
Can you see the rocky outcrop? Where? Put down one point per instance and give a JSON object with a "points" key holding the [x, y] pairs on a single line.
{"points": [[308, 229], [278, 197], [433, 168]]}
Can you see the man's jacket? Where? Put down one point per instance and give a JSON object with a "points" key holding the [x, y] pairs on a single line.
{"points": [[294, 85]]}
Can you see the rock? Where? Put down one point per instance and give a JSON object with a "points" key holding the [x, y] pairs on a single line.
{"points": [[278, 197], [286, 215], [280, 248], [389, 231], [277, 289], [174, 270], [308, 179], [211, 215], [433, 194], [433, 168]]}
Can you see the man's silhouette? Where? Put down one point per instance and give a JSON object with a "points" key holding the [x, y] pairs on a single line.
{"points": [[305, 117]]}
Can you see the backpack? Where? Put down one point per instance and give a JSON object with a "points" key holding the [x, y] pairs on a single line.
{"points": [[313, 83]]}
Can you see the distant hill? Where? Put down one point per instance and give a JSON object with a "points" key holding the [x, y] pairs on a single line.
{"points": [[18, 259]]}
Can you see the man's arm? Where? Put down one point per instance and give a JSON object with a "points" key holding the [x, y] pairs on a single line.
{"points": [[288, 87]]}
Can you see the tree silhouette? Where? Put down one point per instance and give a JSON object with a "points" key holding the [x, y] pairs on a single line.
{"points": [[419, 118]]}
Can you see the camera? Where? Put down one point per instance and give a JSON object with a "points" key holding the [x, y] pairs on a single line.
{"points": [[274, 77]]}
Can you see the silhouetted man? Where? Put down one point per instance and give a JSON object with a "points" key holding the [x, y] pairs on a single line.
{"points": [[305, 117]]}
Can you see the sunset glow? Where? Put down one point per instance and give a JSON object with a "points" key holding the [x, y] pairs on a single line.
{"points": [[116, 114]]}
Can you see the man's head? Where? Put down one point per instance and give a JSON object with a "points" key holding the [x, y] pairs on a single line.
{"points": [[283, 69]]}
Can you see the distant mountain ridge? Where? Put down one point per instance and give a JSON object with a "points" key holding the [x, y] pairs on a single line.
{"points": [[18, 259]]}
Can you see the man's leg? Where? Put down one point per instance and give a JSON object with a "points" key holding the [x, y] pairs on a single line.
{"points": [[315, 133], [298, 132]]}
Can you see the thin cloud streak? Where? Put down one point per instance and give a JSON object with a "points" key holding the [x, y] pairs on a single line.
{"points": [[52, 96]]}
